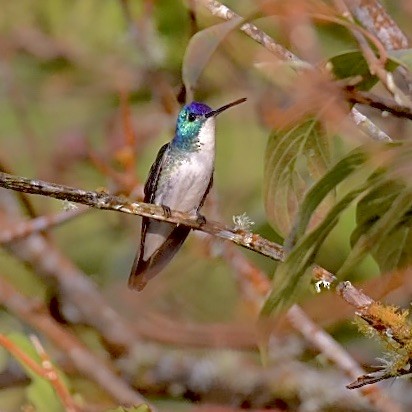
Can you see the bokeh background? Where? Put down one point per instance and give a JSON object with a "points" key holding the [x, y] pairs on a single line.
{"points": [[89, 91]]}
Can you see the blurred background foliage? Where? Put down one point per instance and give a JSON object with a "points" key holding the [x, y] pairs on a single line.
{"points": [[69, 71]]}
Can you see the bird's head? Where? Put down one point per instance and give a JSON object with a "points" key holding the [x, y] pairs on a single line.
{"points": [[192, 117]]}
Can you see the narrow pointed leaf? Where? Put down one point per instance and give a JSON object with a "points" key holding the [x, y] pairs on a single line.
{"points": [[288, 276], [380, 210], [295, 158], [377, 232], [395, 251], [320, 190]]}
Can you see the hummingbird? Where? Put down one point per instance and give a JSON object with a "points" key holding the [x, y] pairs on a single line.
{"points": [[179, 179]]}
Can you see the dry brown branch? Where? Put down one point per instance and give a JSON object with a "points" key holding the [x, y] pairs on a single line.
{"points": [[52, 375], [75, 287], [105, 201], [223, 12], [23, 229], [338, 355], [255, 285], [46, 370], [157, 327], [218, 9], [376, 65], [374, 18], [390, 325], [377, 102], [35, 314], [237, 378], [372, 15]]}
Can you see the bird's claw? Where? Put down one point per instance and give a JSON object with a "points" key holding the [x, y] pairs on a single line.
{"points": [[166, 211], [200, 219]]}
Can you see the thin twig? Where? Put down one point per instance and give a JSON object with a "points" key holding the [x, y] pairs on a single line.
{"points": [[105, 201], [218, 9], [80, 295], [374, 18], [46, 370], [337, 354], [35, 314], [23, 229], [52, 375], [223, 12], [376, 65], [386, 323], [368, 126], [377, 102]]}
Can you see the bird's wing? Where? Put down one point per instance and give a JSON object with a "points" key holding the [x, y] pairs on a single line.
{"points": [[209, 186], [159, 240], [153, 178], [145, 269]]}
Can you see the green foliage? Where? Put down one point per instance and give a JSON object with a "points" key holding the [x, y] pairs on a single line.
{"points": [[40, 393], [341, 171], [383, 227], [295, 158], [352, 63], [66, 64], [383, 217], [289, 274], [299, 198]]}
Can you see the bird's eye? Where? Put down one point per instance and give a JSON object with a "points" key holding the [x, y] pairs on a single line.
{"points": [[191, 117]]}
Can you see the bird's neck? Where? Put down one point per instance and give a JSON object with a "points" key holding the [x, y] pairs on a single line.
{"points": [[203, 140], [185, 144]]}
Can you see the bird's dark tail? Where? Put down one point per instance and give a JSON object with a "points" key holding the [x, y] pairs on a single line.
{"points": [[144, 270]]}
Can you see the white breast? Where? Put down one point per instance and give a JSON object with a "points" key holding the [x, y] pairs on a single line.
{"points": [[188, 183]]}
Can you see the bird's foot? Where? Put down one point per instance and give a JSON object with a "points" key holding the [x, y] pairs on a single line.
{"points": [[166, 211], [200, 219]]}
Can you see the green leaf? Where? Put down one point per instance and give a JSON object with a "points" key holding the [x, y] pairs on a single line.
{"points": [[352, 63], [295, 158], [383, 227], [320, 190], [39, 392], [288, 275], [395, 250]]}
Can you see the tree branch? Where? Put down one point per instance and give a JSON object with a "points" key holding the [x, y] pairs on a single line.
{"points": [[374, 18], [218, 9], [381, 103], [46, 370], [103, 200], [390, 324], [37, 316]]}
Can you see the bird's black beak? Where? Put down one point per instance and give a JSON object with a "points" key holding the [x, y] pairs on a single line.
{"points": [[223, 108]]}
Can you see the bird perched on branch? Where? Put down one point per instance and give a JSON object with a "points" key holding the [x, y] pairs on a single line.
{"points": [[179, 179]]}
